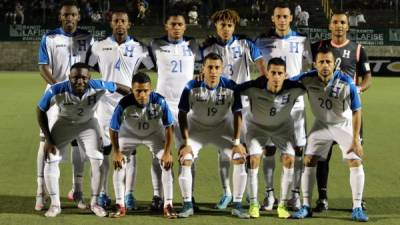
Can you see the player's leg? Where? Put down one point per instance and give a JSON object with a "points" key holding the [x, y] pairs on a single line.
{"points": [[40, 191], [130, 181], [239, 179], [322, 182], [78, 165], [156, 202], [318, 144], [119, 176], [224, 167], [268, 169]]}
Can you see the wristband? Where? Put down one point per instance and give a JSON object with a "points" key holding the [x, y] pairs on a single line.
{"points": [[236, 142]]}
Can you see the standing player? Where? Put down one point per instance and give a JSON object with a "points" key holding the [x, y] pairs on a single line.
{"points": [[77, 100], [336, 106], [294, 48], [175, 56], [139, 118], [59, 49], [117, 57], [269, 121], [237, 52], [204, 117], [352, 60]]}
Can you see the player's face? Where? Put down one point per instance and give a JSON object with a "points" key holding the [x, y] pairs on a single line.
{"points": [[225, 29], [141, 91], [339, 25], [212, 70], [276, 74], [69, 18], [120, 24], [282, 19], [79, 79], [175, 27], [325, 65]]}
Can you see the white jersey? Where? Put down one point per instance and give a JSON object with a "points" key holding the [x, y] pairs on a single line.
{"points": [[118, 63], [270, 110], [175, 65], [60, 50], [237, 54], [210, 106], [332, 103], [72, 108], [129, 118]]}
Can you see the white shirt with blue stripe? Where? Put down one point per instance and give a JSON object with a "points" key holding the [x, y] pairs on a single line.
{"points": [[131, 118], [73, 108], [210, 106], [60, 50], [237, 54], [333, 103]]}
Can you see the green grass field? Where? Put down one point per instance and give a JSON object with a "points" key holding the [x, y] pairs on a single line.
{"points": [[19, 140]]}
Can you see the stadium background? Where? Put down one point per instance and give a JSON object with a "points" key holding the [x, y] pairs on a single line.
{"points": [[21, 87]]}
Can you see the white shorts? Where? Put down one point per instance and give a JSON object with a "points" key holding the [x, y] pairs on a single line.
{"points": [[128, 143], [86, 134], [258, 136], [104, 112], [322, 136], [298, 115], [52, 115], [219, 136]]}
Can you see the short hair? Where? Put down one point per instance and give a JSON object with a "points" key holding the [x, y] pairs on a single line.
{"points": [[340, 12], [276, 61], [69, 3], [323, 50], [120, 9], [141, 78], [226, 14], [281, 4], [80, 65], [212, 56], [174, 13]]}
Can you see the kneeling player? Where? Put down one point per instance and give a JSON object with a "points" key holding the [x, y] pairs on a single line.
{"points": [[139, 118], [211, 122], [77, 99], [271, 100]]}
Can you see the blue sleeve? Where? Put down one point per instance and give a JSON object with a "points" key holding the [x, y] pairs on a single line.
{"points": [[45, 101], [43, 54], [255, 52], [106, 85], [237, 102], [116, 121], [184, 104], [167, 118], [355, 102]]}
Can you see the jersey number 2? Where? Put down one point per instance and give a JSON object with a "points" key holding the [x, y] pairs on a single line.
{"points": [[176, 66]]}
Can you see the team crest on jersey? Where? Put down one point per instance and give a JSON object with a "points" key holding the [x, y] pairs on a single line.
{"points": [[285, 99], [152, 113], [334, 92], [220, 99]]}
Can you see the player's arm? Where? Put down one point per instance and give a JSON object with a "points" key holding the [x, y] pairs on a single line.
{"points": [[260, 64], [257, 58], [237, 147], [365, 71], [115, 124], [166, 159], [49, 146], [45, 72], [122, 89], [355, 105]]}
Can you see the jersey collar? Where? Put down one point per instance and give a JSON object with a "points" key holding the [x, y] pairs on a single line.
{"points": [[340, 46], [228, 43], [169, 40], [291, 33], [61, 31], [128, 38]]}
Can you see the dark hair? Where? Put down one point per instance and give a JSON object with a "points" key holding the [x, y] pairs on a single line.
{"points": [[212, 56], [281, 4], [323, 50], [141, 78], [340, 12], [276, 61], [69, 3], [80, 65], [120, 9], [226, 14], [174, 13]]}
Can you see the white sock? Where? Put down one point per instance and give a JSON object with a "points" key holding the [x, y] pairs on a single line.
{"points": [[40, 169], [239, 182], [156, 177], [268, 168], [193, 168], [78, 165], [130, 174], [357, 178], [105, 166], [119, 185], [224, 166], [253, 184], [307, 184], [95, 165], [51, 177], [168, 187], [185, 183], [286, 183], [298, 170]]}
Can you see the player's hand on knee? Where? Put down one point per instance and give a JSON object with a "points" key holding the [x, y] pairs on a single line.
{"points": [[118, 160], [185, 149], [239, 149], [49, 148], [356, 148], [167, 161]]}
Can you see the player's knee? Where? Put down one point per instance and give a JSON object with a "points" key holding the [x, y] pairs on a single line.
{"points": [[107, 149], [287, 160], [254, 161], [354, 162], [310, 161], [269, 150], [238, 159], [298, 151], [186, 160], [74, 143]]}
